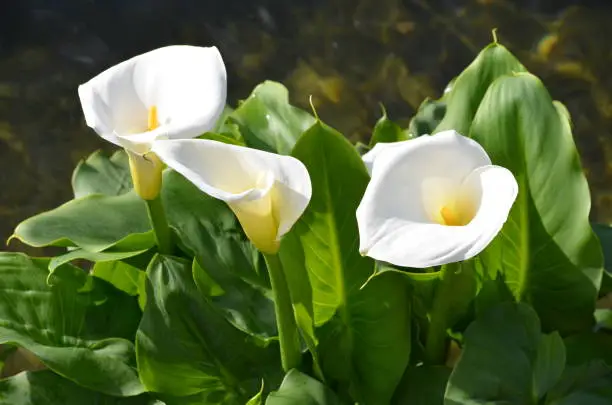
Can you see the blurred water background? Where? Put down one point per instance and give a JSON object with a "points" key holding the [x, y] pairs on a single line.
{"points": [[349, 54]]}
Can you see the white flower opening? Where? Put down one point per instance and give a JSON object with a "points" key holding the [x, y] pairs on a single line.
{"points": [[174, 92], [432, 200], [267, 192]]}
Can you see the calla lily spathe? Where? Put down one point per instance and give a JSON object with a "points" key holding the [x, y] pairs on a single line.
{"points": [[432, 200], [267, 192], [174, 92]]}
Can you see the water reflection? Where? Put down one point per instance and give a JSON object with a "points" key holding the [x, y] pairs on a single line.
{"points": [[349, 54]]}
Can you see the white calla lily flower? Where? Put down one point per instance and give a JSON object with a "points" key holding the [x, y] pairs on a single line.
{"points": [[432, 200], [267, 192], [174, 92]]}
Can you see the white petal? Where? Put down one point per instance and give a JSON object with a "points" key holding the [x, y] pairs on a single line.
{"points": [[370, 157], [186, 84], [258, 185], [424, 244], [406, 181]]}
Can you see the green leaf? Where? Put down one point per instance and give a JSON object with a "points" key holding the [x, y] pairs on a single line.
{"points": [[589, 383], [427, 118], [604, 233], [588, 346], [248, 307], [506, 359], [386, 130], [185, 346], [99, 174], [549, 364], [80, 254], [221, 138], [547, 250], [422, 386], [209, 230], [267, 121], [301, 389], [48, 388], [258, 398], [78, 326], [124, 277], [470, 86], [94, 223], [493, 292], [364, 335]]}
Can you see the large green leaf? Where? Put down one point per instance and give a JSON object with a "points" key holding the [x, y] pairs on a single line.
{"points": [[247, 306], [469, 88], [185, 346], [100, 174], [267, 121], [506, 360], [547, 250], [589, 383], [48, 388], [364, 333], [94, 223], [78, 326], [301, 389]]}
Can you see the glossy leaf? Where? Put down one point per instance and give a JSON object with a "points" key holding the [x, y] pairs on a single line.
{"points": [[82, 254], [48, 388], [185, 346], [505, 360], [94, 223], [79, 326], [387, 131], [469, 88], [100, 174], [258, 399], [298, 388], [248, 307], [267, 121], [362, 331], [422, 386], [124, 277], [547, 251]]}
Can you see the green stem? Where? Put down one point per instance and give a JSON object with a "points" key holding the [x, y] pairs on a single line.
{"points": [[159, 223], [288, 336], [436, 345]]}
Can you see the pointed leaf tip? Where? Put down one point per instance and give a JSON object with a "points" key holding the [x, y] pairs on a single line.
{"points": [[312, 107]]}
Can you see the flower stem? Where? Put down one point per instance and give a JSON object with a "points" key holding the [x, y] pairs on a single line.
{"points": [[159, 223], [436, 345], [288, 336]]}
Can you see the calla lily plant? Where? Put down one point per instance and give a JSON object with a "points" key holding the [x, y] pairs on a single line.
{"points": [[439, 269]]}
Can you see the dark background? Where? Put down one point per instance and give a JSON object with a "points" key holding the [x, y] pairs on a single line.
{"points": [[349, 54]]}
